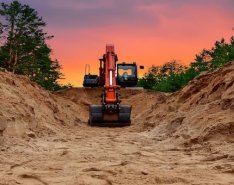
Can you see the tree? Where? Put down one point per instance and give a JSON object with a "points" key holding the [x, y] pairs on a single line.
{"points": [[216, 57], [202, 61], [172, 76], [231, 49], [221, 53], [150, 78], [162, 77], [24, 49]]}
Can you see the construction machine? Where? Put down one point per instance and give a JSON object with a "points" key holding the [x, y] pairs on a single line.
{"points": [[111, 77], [90, 80], [126, 74]]}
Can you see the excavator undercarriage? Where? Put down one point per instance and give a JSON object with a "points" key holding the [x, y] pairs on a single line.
{"points": [[99, 116]]}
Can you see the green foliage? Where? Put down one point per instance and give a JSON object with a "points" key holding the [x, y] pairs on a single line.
{"points": [[24, 49], [172, 76], [150, 78], [167, 77]]}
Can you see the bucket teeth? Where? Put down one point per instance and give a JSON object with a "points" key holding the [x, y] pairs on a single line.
{"points": [[99, 117]]}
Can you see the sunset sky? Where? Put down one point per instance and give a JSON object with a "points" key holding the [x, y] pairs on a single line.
{"points": [[146, 31]]}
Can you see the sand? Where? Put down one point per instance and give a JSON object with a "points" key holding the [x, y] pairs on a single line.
{"points": [[181, 138]]}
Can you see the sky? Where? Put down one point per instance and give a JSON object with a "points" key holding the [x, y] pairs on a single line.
{"points": [[149, 32]]}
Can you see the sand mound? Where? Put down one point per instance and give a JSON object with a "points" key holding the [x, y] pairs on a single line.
{"points": [[201, 111], [28, 109]]}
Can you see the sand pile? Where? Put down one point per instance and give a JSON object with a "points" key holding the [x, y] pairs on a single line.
{"points": [[201, 111], [27, 109]]}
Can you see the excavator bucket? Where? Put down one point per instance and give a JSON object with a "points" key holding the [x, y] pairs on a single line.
{"points": [[99, 117]]}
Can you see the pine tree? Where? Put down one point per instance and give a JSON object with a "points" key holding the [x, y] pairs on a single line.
{"points": [[24, 49]]}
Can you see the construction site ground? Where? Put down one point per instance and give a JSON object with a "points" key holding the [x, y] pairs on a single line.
{"points": [[181, 138]]}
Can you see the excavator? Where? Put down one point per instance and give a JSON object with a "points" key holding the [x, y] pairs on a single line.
{"points": [[111, 77]]}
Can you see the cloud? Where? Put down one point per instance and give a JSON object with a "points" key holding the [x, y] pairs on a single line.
{"points": [[93, 13], [81, 14]]}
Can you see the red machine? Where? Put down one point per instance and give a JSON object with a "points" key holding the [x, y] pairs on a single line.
{"points": [[110, 109]]}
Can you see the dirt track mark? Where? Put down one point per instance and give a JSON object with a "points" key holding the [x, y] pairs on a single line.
{"points": [[33, 177], [21, 164]]}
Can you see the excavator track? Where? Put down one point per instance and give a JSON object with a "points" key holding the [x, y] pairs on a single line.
{"points": [[99, 117]]}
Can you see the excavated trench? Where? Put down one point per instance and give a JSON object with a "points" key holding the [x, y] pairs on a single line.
{"points": [[141, 101], [182, 138]]}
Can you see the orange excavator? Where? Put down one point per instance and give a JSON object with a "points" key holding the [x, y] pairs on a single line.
{"points": [[110, 110]]}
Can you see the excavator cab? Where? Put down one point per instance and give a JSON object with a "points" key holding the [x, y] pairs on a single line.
{"points": [[127, 75]]}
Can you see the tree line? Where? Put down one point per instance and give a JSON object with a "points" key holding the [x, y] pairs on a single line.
{"points": [[24, 51], [172, 76], [23, 48]]}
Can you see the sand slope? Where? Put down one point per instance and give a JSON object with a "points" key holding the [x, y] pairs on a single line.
{"points": [[201, 111], [25, 107]]}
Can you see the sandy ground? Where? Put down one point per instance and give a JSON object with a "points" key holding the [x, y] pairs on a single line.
{"points": [[181, 138], [96, 156]]}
